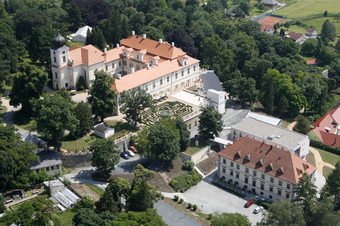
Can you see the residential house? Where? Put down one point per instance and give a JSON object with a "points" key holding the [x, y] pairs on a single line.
{"points": [[156, 66], [326, 129], [49, 161], [81, 34], [296, 37], [312, 33], [279, 137], [262, 168], [269, 29], [103, 131], [270, 3], [312, 61]]}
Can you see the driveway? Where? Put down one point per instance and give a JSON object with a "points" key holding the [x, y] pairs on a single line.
{"points": [[210, 198]]}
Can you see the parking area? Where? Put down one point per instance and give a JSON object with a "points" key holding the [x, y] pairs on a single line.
{"points": [[210, 199]]}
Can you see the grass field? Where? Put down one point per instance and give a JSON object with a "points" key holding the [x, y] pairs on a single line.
{"points": [[297, 29], [318, 22], [303, 8], [326, 170], [97, 190], [329, 157], [310, 158]]}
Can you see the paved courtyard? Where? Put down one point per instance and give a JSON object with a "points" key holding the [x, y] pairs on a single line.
{"points": [[210, 199]]}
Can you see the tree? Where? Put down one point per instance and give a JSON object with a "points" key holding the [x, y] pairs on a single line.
{"points": [[88, 217], [102, 96], [85, 202], [74, 17], [184, 133], [142, 197], [152, 32], [137, 21], [232, 219], [325, 14], [328, 31], [133, 102], [326, 55], [142, 142], [235, 89], [84, 114], [2, 204], [284, 213], [105, 156], [92, 11], [163, 142], [333, 183], [337, 45], [53, 117], [324, 213], [210, 123], [183, 41], [28, 85], [81, 84], [306, 195], [302, 125], [309, 47]]}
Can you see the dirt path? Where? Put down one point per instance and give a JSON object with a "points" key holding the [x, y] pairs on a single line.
{"points": [[319, 163]]}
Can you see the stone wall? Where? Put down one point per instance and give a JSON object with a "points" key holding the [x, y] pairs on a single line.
{"points": [[76, 159]]}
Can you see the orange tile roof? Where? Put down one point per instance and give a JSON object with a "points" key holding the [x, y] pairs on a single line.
{"points": [[164, 49], [312, 61], [87, 55], [268, 159], [145, 75], [113, 54], [330, 139]]}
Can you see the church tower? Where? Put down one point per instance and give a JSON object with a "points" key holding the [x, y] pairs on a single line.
{"points": [[59, 58]]}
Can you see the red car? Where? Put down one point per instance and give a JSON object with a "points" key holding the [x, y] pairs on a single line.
{"points": [[132, 148], [249, 203]]}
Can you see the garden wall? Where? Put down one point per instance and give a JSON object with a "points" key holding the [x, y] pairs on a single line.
{"points": [[197, 156], [76, 159]]}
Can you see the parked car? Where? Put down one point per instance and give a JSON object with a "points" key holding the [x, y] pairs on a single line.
{"points": [[258, 209], [249, 203], [124, 155], [132, 148], [130, 153]]}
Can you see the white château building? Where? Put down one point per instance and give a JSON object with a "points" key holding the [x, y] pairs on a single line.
{"points": [[156, 66]]}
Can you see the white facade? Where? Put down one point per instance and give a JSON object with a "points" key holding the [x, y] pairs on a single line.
{"points": [[81, 34], [217, 100]]}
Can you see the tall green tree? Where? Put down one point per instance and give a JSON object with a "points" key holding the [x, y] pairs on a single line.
{"points": [[28, 85], [302, 125], [133, 102], [53, 117], [210, 123], [232, 219], [102, 96], [149, 217], [164, 143], [142, 142], [324, 213], [74, 17], [2, 204], [328, 30], [333, 183], [234, 88], [184, 133], [105, 156], [83, 113]]}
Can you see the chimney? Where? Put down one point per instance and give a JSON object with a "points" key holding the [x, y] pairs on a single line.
{"points": [[117, 46], [133, 32], [147, 66], [144, 36], [105, 51], [160, 41], [172, 44]]}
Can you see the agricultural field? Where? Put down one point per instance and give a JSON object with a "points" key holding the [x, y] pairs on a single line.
{"points": [[318, 22], [304, 8]]}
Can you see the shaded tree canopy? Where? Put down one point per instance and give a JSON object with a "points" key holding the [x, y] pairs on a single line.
{"points": [[93, 11], [183, 41], [210, 123]]}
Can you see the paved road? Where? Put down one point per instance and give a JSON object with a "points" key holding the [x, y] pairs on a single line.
{"points": [[172, 216]]}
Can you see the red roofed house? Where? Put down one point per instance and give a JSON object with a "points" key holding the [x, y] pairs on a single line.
{"points": [[326, 129], [312, 61], [261, 168], [296, 37], [156, 66], [312, 32]]}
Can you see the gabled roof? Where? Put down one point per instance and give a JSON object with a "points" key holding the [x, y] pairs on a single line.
{"points": [[295, 36], [312, 61], [269, 2], [163, 49], [269, 159], [47, 159], [102, 128], [87, 55], [330, 139], [82, 31], [211, 81]]}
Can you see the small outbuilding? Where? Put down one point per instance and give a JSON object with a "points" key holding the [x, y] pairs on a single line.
{"points": [[81, 34], [270, 3], [49, 161], [103, 131]]}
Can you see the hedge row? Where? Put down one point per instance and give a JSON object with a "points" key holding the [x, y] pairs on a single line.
{"points": [[235, 192], [333, 150]]}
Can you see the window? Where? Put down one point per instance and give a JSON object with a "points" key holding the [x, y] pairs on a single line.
{"points": [[182, 84], [261, 193], [182, 73], [56, 75], [247, 170], [176, 76], [271, 188], [57, 167], [161, 81], [224, 161], [234, 132], [106, 68], [280, 182], [137, 57], [246, 180], [55, 59], [262, 186], [188, 70], [231, 173], [124, 63], [64, 59], [176, 87], [237, 175], [279, 192], [288, 186], [138, 67], [271, 197], [196, 123], [237, 166], [240, 134], [131, 64], [168, 79], [194, 68], [254, 183], [287, 195], [189, 126], [262, 176], [254, 173], [272, 179], [52, 167], [146, 88], [120, 63], [63, 52], [54, 52], [154, 85], [47, 169], [223, 170], [66, 85], [232, 164]]}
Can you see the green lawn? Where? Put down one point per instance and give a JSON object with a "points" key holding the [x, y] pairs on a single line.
{"points": [[97, 190], [329, 157], [22, 121], [119, 126], [326, 171], [318, 22], [194, 149], [65, 218], [297, 29], [303, 8], [310, 158], [81, 144]]}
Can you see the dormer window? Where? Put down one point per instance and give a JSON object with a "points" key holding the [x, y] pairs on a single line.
{"points": [[247, 157], [280, 170], [238, 154], [270, 166], [55, 59], [260, 162], [64, 59], [137, 57]]}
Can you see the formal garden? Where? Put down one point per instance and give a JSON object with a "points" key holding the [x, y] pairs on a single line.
{"points": [[168, 109]]}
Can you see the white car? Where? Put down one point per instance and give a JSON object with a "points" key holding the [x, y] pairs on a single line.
{"points": [[258, 209], [130, 153]]}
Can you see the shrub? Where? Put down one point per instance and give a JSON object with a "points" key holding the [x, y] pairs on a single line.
{"points": [[185, 181], [210, 216], [81, 84], [162, 197], [188, 165], [194, 207], [180, 201], [189, 206], [176, 197]]}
